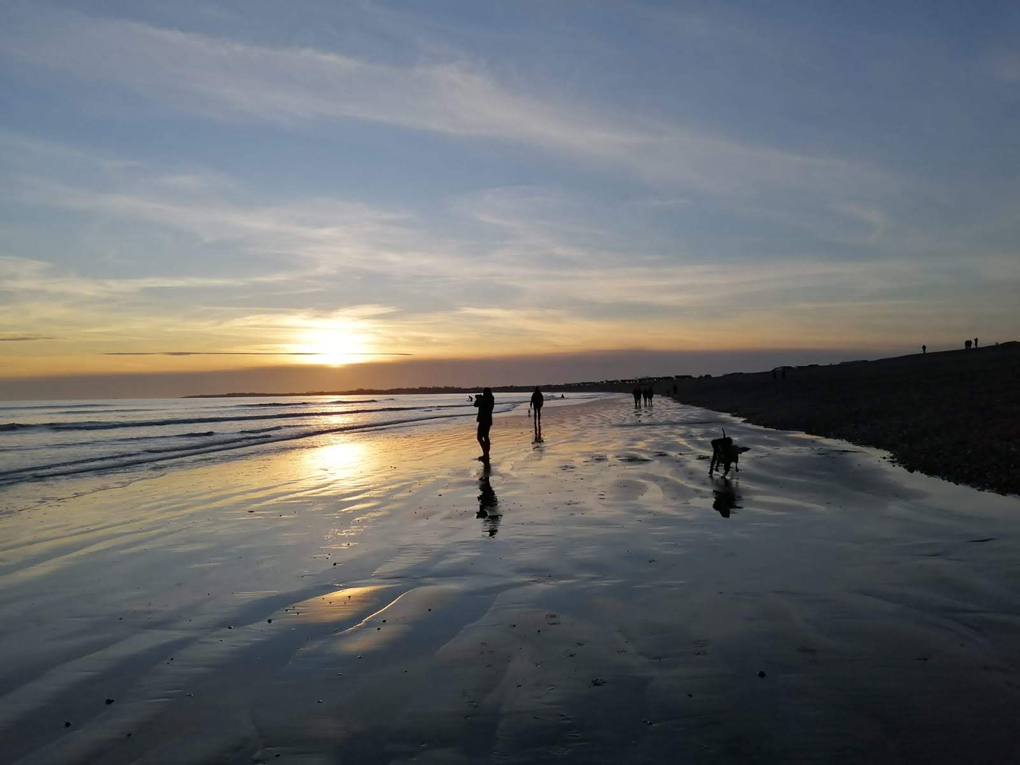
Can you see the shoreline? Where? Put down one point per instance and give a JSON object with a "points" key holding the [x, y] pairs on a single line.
{"points": [[953, 414]]}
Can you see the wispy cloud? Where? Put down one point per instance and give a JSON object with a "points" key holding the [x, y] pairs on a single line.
{"points": [[233, 80], [247, 353], [25, 338], [24, 276]]}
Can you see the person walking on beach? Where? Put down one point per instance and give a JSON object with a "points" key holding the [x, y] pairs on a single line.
{"points": [[637, 396], [536, 405], [485, 403]]}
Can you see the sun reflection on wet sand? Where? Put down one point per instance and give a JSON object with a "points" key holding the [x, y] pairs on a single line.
{"points": [[342, 459], [335, 606]]}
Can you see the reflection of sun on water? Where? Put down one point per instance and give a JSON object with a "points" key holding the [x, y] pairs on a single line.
{"points": [[342, 459]]}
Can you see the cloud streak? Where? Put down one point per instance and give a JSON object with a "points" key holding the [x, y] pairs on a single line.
{"points": [[233, 80], [248, 353]]}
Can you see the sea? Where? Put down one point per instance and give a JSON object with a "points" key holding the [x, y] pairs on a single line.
{"points": [[51, 440]]}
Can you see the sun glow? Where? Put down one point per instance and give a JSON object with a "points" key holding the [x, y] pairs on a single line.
{"points": [[335, 346]]}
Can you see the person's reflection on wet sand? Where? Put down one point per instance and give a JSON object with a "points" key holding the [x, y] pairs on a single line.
{"points": [[725, 497], [488, 505]]}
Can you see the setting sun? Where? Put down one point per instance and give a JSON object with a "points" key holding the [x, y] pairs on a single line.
{"points": [[334, 346]]}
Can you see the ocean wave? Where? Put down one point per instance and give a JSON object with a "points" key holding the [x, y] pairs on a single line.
{"points": [[311, 403], [16, 447], [19, 472], [133, 459], [55, 406], [113, 424], [283, 403]]}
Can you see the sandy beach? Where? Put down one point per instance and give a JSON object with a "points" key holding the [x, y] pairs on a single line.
{"points": [[594, 598]]}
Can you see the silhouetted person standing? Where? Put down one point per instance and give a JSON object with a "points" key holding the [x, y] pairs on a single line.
{"points": [[975, 342], [648, 394], [537, 399], [637, 396], [485, 403], [924, 349]]}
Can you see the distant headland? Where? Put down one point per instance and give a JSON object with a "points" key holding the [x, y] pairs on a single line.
{"points": [[609, 386]]}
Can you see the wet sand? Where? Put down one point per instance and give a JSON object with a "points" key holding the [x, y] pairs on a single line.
{"points": [[348, 604]]}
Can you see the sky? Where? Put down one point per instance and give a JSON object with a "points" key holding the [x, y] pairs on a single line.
{"points": [[208, 195]]}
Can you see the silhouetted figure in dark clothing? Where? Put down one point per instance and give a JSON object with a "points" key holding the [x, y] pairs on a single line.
{"points": [[536, 406], [975, 342], [649, 393], [637, 396], [485, 403], [924, 349], [966, 344], [488, 505]]}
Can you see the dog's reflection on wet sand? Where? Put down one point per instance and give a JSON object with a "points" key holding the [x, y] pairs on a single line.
{"points": [[726, 497]]}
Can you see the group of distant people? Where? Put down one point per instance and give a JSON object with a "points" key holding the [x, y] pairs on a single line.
{"points": [[967, 344], [643, 394]]}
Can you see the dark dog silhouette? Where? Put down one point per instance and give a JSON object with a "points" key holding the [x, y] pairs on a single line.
{"points": [[726, 453]]}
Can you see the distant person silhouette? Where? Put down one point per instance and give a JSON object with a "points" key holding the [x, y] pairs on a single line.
{"points": [[536, 405], [637, 396], [924, 349], [975, 342], [485, 403], [649, 393], [488, 504], [966, 344]]}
